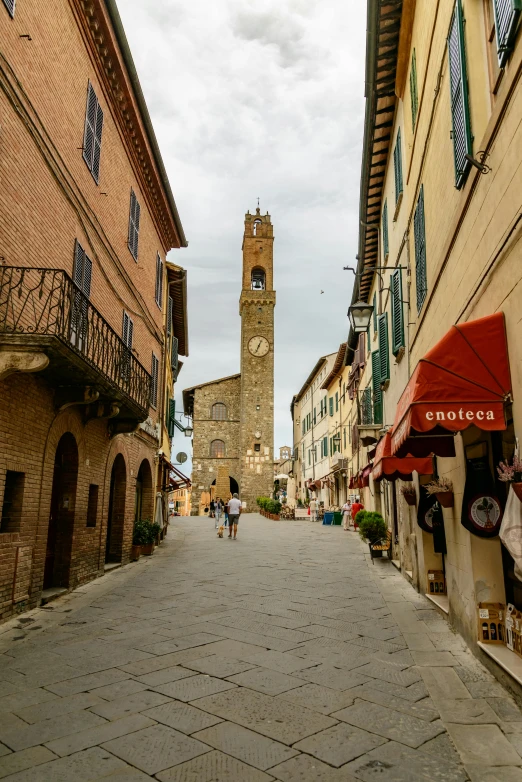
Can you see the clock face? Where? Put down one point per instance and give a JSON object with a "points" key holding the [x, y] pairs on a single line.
{"points": [[258, 346]]}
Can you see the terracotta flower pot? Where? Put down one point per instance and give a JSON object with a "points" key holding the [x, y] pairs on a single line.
{"points": [[147, 549], [135, 553], [411, 499], [445, 498], [517, 488]]}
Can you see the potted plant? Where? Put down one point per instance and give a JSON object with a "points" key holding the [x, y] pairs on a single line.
{"points": [[512, 473], [442, 488], [138, 540], [409, 494], [146, 532], [372, 528]]}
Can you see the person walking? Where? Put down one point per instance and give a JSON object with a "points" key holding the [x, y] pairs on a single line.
{"points": [[212, 509], [356, 507], [234, 512], [218, 508], [225, 511], [313, 509], [347, 514]]}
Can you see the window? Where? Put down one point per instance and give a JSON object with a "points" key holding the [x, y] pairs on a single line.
{"points": [[219, 411], [383, 348], [258, 279], [92, 505], [134, 225], [507, 13], [82, 276], [315, 416], [414, 97], [304, 426], [376, 387], [331, 405], [397, 166], [127, 334], [257, 447], [462, 141], [309, 457], [336, 401], [397, 319], [344, 438], [170, 316], [10, 5], [419, 232], [92, 134], [13, 501], [174, 363], [158, 293], [171, 421], [154, 382], [385, 246], [366, 405], [217, 449], [325, 446]]}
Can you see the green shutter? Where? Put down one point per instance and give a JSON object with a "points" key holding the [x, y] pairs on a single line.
{"points": [[413, 89], [383, 347], [366, 406], [325, 446], [304, 422], [385, 245], [172, 417], [419, 231], [507, 13], [376, 387], [397, 319], [397, 166], [174, 356], [374, 312], [462, 140], [336, 401], [331, 405]]}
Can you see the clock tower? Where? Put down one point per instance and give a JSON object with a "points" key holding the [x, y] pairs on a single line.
{"points": [[256, 307]]}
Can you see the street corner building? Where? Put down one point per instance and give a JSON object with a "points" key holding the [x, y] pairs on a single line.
{"points": [[233, 417], [91, 316]]}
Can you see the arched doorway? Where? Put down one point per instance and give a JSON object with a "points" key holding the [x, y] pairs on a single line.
{"points": [[116, 515], [144, 508], [233, 487], [61, 519]]}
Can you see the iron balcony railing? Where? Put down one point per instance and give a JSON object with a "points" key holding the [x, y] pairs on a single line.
{"points": [[46, 302]]}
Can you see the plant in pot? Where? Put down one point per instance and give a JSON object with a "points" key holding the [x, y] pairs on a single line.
{"points": [[148, 534], [512, 473], [372, 528], [442, 488], [408, 492], [138, 539]]}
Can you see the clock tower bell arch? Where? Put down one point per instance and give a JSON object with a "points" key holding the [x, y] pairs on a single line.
{"points": [[256, 307]]}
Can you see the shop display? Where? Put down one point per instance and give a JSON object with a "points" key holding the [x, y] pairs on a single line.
{"points": [[492, 623]]}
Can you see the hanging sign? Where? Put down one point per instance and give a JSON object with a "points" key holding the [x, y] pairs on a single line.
{"points": [[425, 510], [481, 508]]}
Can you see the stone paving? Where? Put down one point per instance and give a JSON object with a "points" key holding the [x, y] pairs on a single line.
{"points": [[285, 655]]}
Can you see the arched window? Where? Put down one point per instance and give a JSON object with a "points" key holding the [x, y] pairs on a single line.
{"points": [[257, 224], [219, 412], [217, 449], [258, 279]]}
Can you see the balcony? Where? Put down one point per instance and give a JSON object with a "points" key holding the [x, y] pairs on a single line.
{"points": [[43, 312]]}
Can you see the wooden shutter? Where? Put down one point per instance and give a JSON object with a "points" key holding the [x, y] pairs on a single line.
{"points": [[420, 250], [376, 387], [154, 384], [385, 245], [397, 166], [158, 295], [172, 417], [331, 405], [10, 5], [96, 155], [375, 312], [383, 347], [325, 446], [174, 356], [507, 13], [366, 405], [170, 316], [128, 330], [462, 141], [413, 89], [336, 401], [397, 312], [92, 136], [134, 225]]}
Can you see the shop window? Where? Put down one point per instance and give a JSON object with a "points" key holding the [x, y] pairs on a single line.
{"points": [[13, 501], [92, 505]]}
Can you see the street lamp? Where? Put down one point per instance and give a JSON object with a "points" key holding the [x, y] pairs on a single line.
{"points": [[188, 431], [360, 315], [337, 440]]}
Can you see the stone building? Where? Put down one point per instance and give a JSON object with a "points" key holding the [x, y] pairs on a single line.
{"points": [[87, 217], [233, 417]]}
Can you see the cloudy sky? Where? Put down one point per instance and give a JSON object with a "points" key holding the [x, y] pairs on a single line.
{"points": [[259, 98]]}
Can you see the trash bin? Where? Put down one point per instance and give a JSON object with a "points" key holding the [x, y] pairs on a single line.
{"points": [[337, 518], [328, 517]]}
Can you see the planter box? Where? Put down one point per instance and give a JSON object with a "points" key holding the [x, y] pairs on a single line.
{"points": [[148, 549], [135, 553]]}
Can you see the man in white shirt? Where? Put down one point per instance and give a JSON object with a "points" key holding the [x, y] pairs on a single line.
{"points": [[313, 509], [234, 512]]}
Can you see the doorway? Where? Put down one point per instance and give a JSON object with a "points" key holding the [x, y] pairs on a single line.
{"points": [[116, 514], [143, 507], [61, 519]]}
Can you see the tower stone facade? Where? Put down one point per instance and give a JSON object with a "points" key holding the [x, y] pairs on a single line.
{"points": [[233, 417]]}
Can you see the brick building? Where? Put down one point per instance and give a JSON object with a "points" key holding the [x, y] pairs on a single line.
{"points": [[233, 417], [87, 217]]}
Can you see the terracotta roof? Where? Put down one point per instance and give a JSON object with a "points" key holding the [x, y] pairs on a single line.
{"points": [[337, 367], [188, 393]]}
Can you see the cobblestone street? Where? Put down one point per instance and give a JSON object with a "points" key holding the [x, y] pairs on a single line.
{"points": [[283, 655]]}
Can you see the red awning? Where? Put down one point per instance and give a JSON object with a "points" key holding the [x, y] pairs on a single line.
{"points": [[391, 467], [463, 380]]}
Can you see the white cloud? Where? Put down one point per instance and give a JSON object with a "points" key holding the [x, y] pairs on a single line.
{"points": [[259, 98]]}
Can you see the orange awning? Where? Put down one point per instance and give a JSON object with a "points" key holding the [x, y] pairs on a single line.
{"points": [[392, 467], [463, 380]]}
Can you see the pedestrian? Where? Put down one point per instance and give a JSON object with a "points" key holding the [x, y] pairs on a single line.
{"points": [[313, 509], [234, 512], [212, 509], [225, 511], [218, 508], [347, 514], [356, 507]]}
